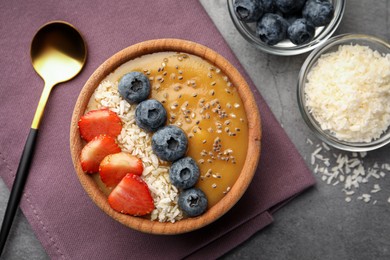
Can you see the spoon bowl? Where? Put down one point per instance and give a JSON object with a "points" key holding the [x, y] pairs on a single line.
{"points": [[58, 53]]}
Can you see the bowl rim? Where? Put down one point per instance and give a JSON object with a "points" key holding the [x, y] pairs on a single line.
{"points": [[254, 135], [322, 33], [310, 121]]}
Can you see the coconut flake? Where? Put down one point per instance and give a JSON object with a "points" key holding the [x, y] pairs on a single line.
{"points": [[134, 140]]}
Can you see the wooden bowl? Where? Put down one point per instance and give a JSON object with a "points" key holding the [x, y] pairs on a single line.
{"points": [[254, 138]]}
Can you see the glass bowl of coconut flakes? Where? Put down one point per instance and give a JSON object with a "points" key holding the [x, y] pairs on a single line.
{"points": [[344, 92]]}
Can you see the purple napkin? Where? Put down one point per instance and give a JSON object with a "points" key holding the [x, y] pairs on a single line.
{"points": [[63, 217]]}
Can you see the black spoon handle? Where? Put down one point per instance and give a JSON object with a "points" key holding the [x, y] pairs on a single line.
{"points": [[18, 186]]}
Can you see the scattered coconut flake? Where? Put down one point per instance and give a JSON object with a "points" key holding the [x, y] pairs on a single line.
{"points": [[376, 188], [363, 154], [350, 171], [313, 155], [325, 146], [366, 197]]}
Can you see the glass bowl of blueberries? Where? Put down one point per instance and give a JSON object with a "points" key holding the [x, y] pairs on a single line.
{"points": [[286, 27]]}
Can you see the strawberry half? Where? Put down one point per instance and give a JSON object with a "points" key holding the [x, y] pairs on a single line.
{"points": [[94, 152], [115, 166], [131, 196], [97, 122]]}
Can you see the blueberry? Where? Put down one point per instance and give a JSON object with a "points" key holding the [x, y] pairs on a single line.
{"points": [[134, 87], [193, 202], [300, 31], [267, 5], [318, 12], [184, 173], [150, 115], [169, 143], [272, 28], [247, 10], [290, 18], [289, 6]]}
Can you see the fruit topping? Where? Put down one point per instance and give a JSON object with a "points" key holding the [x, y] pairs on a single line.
{"points": [[95, 151], [115, 166], [193, 202], [131, 196], [272, 28], [247, 10], [318, 12], [98, 122], [184, 173], [289, 6], [134, 87], [268, 6], [300, 31], [169, 143], [150, 115], [290, 18]]}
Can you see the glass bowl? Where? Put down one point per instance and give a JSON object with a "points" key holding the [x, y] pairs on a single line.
{"points": [[332, 45], [286, 47]]}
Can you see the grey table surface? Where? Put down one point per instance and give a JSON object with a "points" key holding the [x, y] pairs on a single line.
{"points": [[318, 224]]}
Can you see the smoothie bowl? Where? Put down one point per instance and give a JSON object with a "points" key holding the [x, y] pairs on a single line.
{"points": [[165, 136]]}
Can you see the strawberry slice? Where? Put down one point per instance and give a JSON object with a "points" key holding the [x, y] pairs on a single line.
{"points": [[97, 122], [94, 152], [131, 196], [115, 166]]}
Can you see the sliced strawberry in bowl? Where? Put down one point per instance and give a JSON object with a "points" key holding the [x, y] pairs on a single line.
{"points": [[115, 166], [131, 196], [97, 122], [95, 151]]}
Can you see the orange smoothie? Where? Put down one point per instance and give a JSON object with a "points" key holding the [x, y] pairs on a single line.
{"points": [[200, 99]]}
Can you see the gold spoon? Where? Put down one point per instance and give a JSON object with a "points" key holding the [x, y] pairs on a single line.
{"points": [[58, 53]]}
